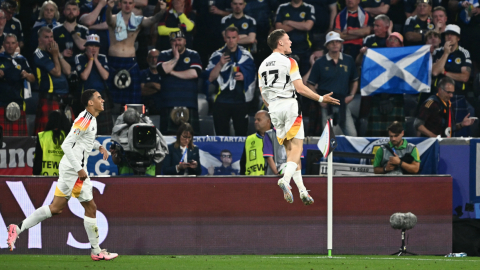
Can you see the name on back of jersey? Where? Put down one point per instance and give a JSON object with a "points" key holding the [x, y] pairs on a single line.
{"points": [[270, 64]]}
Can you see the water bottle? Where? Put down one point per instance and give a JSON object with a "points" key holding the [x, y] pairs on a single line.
{"points": [[461, 254]]}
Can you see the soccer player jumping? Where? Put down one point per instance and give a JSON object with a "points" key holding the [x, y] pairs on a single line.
{"points": [[73, 180], [280, 81]]}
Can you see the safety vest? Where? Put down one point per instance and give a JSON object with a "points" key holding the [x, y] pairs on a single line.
{"points": [[255, 164], [52, 153], [406, 148]]}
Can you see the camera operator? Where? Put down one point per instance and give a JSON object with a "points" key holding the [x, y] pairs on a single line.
{"points": [[137, 146]]}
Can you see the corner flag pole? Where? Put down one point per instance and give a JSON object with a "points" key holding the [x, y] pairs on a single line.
{"points": [[329, 203], [326, 144]]}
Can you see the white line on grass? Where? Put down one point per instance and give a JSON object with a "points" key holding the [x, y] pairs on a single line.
{"points": [[372, 258]]}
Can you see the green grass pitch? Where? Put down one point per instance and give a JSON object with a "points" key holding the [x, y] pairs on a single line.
{"points": [[307, 262]]}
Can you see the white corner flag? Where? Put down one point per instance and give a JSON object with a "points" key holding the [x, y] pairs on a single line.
{"points": [[327, 142]]}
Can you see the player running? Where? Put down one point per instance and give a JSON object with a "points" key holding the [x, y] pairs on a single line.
{"points": [[73, 180], [280, 81]]}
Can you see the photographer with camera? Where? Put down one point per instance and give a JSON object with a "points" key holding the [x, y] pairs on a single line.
{"points": [[137, 146], [232, 70], [183, 157], [398, 156]]}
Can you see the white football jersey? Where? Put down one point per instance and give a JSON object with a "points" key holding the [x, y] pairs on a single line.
{"points": [[80, 141], [276, 75]]}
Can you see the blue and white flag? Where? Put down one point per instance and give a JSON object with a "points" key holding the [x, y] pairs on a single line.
{"points": [[400, 70]]}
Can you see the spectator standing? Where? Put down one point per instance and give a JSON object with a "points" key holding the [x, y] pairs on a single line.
{"points": [[416, 26], [226, 168], [379, 37], [125, 73], [179, 68], [179, 16], [376, 7], [183, 156], [264, 14], [150, 80], [453, 61], [93, 71], [325, 13], [434, 39], [397, 15], [440, 18], [335, 72], [353, 24], [232, 70], [253, 161], [48, 150], [398, 156], [209, 28], [70, 36], [48, 17], [93, 16], [297, 18], [469, 22], [14, 73], [411, 6], [52, 72], [246, 25], [13, 25], [385, 108], [3, 20], [436, 115]]}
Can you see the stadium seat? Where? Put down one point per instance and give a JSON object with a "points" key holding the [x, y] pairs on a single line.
{"points": [[206, 125], [202, 105]]}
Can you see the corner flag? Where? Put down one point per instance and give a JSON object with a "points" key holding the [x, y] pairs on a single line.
{"points": [[327, 142]]}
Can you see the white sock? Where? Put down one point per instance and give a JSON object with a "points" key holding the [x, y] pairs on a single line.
{"points": [[297, 177], [92, 232], [289, 171], [36, 217]]}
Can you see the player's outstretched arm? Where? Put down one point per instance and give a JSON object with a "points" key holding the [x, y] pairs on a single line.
{"points": [[307, 92]]}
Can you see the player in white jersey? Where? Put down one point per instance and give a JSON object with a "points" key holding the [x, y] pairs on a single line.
{"points": [[73, 180], [280, 81]]}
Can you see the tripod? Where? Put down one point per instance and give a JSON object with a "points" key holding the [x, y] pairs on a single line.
{"points": [[403, 249]]}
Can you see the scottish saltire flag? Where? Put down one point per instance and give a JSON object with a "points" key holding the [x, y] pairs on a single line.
{"points": [[401, 70]]}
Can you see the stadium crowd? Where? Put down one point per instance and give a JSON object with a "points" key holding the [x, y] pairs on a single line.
{"points": [[196, 61]]}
